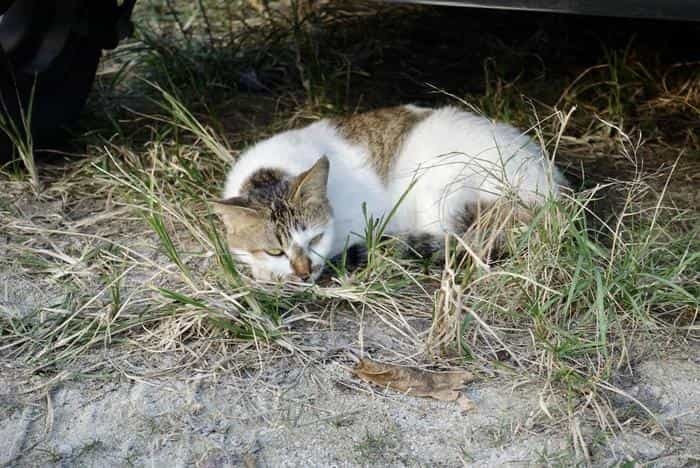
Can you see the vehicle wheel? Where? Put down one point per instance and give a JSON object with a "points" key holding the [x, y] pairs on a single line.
{"points": [[49, 52], [57, 95]]}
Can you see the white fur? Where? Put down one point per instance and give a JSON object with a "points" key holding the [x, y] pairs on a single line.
{"points": [[455, 158]]}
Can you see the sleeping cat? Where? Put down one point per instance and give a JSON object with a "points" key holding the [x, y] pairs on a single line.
{"points": [[295, 200]]}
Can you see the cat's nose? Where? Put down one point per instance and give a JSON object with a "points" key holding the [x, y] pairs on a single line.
{"points": [[301, 267]]}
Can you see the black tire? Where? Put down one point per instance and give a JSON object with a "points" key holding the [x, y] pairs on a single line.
{"points": [[60, 88]]}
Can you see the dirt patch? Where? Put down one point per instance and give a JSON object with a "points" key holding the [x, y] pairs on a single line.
{"points": [[318, 415]]}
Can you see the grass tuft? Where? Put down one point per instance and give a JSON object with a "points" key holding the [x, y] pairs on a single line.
{"points": [[19, 136]]}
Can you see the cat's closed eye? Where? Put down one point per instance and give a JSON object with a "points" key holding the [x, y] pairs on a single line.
{"points": [[316, 240], [274, 252]]}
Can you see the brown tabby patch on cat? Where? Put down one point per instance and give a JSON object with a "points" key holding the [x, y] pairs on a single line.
{"points": [[265, 185], [272, 204], [245, 224], [382, 132], [304, 203]]}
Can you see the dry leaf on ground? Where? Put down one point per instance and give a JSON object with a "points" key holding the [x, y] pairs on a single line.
{"points": [[412, 381]]}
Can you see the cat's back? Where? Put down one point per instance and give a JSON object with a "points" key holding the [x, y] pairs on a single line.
{"points": [[291, 152], [396, 139], [450, 129], [294, 151], [368, 142], [380, 133]]}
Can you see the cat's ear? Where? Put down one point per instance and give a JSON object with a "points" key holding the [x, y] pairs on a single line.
{"points": [[236, 212], [310, 186]]}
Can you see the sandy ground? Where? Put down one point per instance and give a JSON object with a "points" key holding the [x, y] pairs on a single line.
{"points": [[315, 413]]}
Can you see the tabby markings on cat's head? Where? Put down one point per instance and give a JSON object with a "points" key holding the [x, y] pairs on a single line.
{"points": [[281, 226]]}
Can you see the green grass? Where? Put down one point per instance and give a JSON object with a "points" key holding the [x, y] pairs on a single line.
{"points": [[596, 282], [20, 137]]}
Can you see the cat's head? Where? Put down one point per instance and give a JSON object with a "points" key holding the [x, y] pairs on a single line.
{"points": [[283, 227]]}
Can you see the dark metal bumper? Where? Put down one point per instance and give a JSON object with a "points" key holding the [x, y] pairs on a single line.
{"points": [[657, 9]]}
